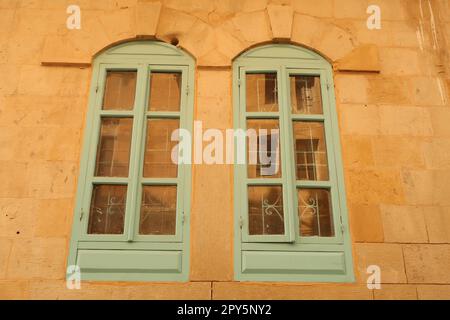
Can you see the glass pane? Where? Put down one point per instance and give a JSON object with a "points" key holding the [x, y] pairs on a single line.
{"points": [[165, 91], [310, 151], [315, 213], [113, 150], [107, 212], [120, 90], [265, 210], [306, 96], [262, 92], [263, 149], [158, 210], [158, 160]]}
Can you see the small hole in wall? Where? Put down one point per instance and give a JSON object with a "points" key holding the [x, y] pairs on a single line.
{"points": [[174, 41], [18, 232]]}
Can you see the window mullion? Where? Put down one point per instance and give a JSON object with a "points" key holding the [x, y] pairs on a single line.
{"points": [[286, 154], [136, 151]]}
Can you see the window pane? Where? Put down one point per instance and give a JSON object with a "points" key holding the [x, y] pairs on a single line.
{"points": [[262, 92], [310, 151], [158, 161], [265, 210], [113, 150], [165, 91], [263, 149], [158, 210], [107, 210], [315, 213], [120, 90], [306, 97]]}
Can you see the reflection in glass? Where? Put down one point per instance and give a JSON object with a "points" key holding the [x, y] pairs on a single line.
{"points": [[158, 210], [120, 90], [113, 151], [165, 91], [306, 96], [107, 212], [262, 92], [157, 160], [263, 149], [310, 151], [265, 210], [315, 214]]}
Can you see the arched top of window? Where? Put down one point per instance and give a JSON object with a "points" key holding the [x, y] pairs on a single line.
{"points": [[284, 53], [143, 51]]}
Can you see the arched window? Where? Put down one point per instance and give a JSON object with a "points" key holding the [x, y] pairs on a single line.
{"points": [[290, 209], [131, 216]]}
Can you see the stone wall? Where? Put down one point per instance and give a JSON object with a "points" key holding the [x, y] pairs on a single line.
{"points": [[393, 104]]}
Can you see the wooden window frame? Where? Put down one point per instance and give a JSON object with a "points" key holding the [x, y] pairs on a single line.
{"points": [[290, 257], [130, 256]]}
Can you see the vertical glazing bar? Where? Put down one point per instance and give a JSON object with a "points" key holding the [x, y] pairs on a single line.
{"points": [[286, 154], [138, 133]]}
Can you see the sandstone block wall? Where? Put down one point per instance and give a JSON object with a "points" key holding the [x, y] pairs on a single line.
{"points": [[392, 88]]}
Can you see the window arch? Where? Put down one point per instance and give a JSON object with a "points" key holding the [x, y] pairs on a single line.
{"points": [[132, 210], [291, 217]]}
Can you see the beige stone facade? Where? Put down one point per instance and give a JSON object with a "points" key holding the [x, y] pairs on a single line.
{"points": [[393, 103]]}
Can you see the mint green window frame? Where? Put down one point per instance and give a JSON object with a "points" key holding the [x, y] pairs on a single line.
{"points": [[131, 256], [290, 257]]}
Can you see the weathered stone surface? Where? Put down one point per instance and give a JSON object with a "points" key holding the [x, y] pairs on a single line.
{"points": [[364, 58], [37, 258], [404, 224], [388, 257], [366, 224], [360, 120], [319, 8], [433, 292], [147, 17], [280, 21], [14, 290], [438, 224], [408, 121], [369, 186], [53, 217], [51, 290], [396, 151], [253, 26], [357, 151], [250, 291], [392, 106], [427, 263], [5, 250], [396, 292], [17, 217]]}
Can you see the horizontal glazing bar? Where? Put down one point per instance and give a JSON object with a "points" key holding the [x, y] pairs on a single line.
{"points": [[313, 184], [258, 182], [159, 114], [159, 181], [110, 180], [116, 114], [307, 117], [262, 115]]}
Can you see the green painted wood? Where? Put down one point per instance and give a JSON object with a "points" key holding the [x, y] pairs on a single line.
{"points": [[289, 250], [152, 48], [129, 261], [142, 56], [293, 262], [281, 51]]}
